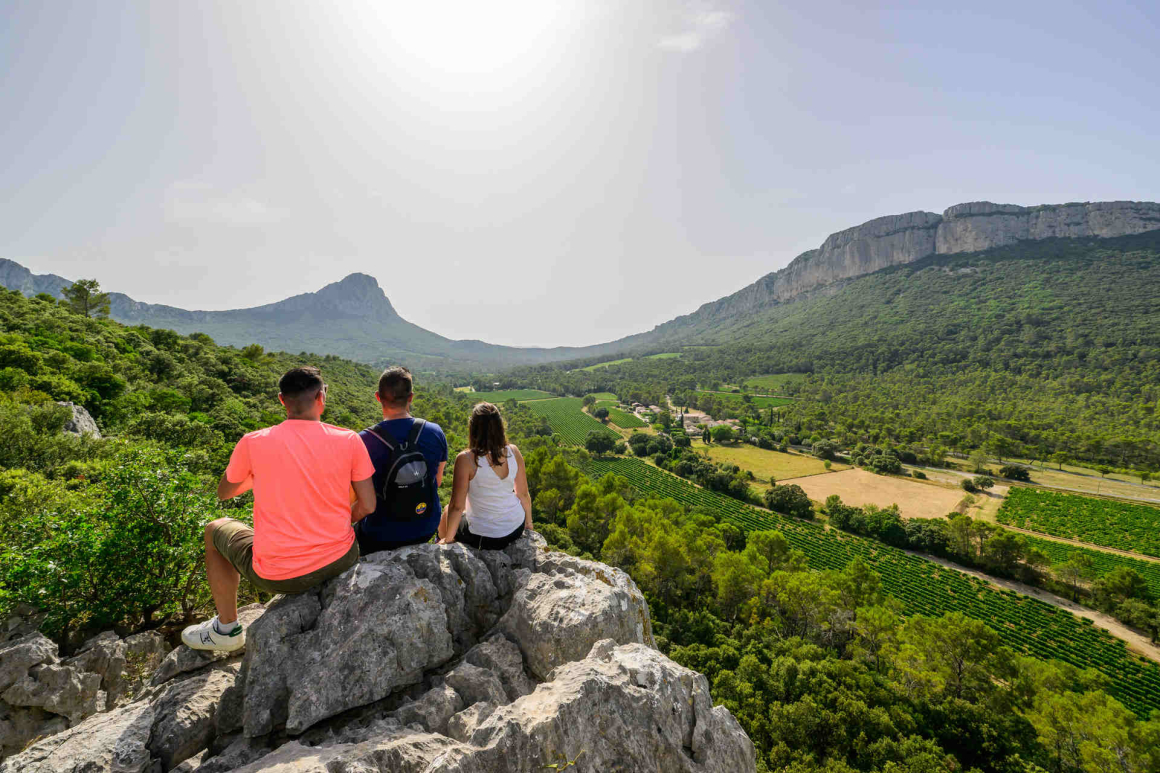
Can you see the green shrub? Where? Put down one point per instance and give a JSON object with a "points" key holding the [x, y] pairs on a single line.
{"points": [[129, 555]]}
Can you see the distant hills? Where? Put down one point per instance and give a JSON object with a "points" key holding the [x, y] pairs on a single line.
{"points": [[353, 318]]}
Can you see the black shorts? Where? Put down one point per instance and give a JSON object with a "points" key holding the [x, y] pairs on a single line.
{"points": [[465, 536]]}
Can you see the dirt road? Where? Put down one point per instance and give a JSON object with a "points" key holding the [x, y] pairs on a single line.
{"points": [[1137, 642]]}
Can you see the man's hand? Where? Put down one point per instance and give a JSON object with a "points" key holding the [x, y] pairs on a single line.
{"points": [[227, 489], [364, 490]]}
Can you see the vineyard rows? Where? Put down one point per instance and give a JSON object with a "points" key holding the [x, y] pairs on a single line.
{"points": [[621, 417], [508, 394], [1106, 522], [1102, 563], [924, 588], [567, 418]]}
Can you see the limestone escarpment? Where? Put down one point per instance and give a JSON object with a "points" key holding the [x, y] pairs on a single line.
{"points": [[900, 239], [982, 225], [425, 659]]}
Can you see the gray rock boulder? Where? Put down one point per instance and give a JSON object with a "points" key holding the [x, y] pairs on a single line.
{"points": [[184, 714], [503, 658], [109, 742], [556, 618], [621, 708], [19, 655], [58, 689], [397, 751], [271, 657], [463, 724], [80, 423], [373, 629], [476, 685], [165, 726], [122, 664], [465, 583], [432, 710], [19, 725]]}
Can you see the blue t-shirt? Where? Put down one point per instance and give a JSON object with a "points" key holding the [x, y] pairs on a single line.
{"points": [[433, 445]]}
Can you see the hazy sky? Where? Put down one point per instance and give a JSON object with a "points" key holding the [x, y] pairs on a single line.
{"points": [[541, 172]]}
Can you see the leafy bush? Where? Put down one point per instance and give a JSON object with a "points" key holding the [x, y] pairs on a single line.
{"points": [[825, 449], [983, 482], [128, 556], [599, 443], [639, 443], [790, 500], [1015, 472]]}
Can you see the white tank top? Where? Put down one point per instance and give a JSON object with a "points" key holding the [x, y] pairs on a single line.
{"points": [[493, 509]]}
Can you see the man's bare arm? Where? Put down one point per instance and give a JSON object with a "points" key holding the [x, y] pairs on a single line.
{"points": [[227, 489], [366, 502]]}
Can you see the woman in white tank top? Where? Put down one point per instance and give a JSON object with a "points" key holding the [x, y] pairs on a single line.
{"points": [[490, 505]]}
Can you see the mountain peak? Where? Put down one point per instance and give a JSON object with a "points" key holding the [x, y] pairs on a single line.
{"points": [[358, 279], [356, 295]]}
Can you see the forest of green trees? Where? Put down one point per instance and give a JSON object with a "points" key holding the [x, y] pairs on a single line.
{"points": [[820, 668], [1047, 350]]}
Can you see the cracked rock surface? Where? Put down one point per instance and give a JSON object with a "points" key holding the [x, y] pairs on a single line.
{"points": [[429, 658]]}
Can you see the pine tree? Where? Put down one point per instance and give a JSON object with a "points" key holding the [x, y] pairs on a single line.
{"points": [[85, 298]]}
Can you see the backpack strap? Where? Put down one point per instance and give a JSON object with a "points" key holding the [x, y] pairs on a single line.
{"points": [[382, 439], [413, 437]]}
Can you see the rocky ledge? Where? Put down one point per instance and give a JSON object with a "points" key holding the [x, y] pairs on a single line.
{"points": [[425, 659]]}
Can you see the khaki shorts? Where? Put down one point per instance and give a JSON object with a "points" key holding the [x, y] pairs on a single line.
{"points": [[235, 541]]}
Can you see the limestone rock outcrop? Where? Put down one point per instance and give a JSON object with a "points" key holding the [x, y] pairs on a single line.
{"points": [[900, 239], [41, 695], [81, 422], [982, 225], [430, 658]]}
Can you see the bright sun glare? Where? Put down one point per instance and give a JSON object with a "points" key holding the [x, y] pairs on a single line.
{"points": [[461, 40]]}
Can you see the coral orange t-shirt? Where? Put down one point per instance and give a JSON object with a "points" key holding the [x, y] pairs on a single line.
{"points": [[302, 471]]}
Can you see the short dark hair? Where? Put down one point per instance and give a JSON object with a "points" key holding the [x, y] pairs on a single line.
{"points": [[299, 387], [395, 386]]}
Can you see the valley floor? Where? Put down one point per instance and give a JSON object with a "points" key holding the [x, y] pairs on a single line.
{"points": [[862, 487]]}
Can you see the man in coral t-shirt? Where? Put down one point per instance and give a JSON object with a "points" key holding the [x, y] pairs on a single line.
{"points": [[301, 472]]}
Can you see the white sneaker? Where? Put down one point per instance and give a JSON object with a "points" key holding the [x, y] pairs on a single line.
{"points": [[205, 636]]}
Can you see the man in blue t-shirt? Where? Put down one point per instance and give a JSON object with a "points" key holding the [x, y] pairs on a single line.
{"points": [[379, 531]]}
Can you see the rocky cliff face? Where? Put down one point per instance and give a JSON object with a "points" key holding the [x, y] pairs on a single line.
{"points": [[983, 225], [16, 277], [425, 659], [899, 239]]}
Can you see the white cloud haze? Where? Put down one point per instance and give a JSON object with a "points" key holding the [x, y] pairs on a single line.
{"points": [[695, 26]]}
